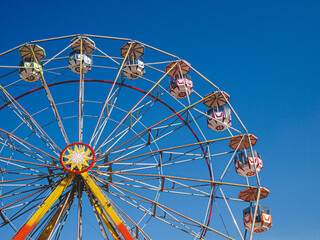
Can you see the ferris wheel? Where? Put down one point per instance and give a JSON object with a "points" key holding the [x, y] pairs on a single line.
{"points": [[111, 138]]}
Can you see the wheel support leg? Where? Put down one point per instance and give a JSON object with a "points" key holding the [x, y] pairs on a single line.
{"points": [[57, 216], [43, 209], [105, 220], [107, 206]]}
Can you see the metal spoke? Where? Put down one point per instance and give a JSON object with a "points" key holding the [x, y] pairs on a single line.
{"points": [[234, 221], [179, 178], [52, 103], [166, 149], [171, 210], [109, 94], [26, 145], [81, 99], [133, 108], [29, 121], [150, 211], [158, 123]]}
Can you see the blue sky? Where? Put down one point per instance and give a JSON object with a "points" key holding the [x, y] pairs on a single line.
{"points": [[265, 54]]}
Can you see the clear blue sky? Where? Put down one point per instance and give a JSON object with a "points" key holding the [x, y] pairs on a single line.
{"points": [[265, 54]]}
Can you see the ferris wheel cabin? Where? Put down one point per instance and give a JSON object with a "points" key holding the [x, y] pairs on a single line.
{"points": [[181, 87], [30, 68], [245, 164], [81, 57], [133, 67], [219, 119], [181, 84], [30, 71], [263, 219], [219, 115], [77, 59]]}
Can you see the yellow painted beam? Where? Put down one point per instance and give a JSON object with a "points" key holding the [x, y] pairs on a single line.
{"points": [[43, 209], [106, 206], [105, 220], [59, 213]]}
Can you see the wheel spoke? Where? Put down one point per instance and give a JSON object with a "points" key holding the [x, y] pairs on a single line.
{"points": [[173, 211], [132, 109], [11, 138], [109, 94], [166, 149], [52, 103], [29, 121], [149, 128]]}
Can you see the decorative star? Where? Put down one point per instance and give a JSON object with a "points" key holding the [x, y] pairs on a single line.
{"points": [[78, 157]]}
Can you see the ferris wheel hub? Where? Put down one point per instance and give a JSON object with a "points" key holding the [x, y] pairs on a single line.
{"points": [[77, 158]]}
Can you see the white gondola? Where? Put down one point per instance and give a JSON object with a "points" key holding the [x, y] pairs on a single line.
{"points": [[219, 119], [30, 68], [181, 84], [245, 164], [75, 58], [30, 71], [134, 68], [181, 87], [263, 219]]}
